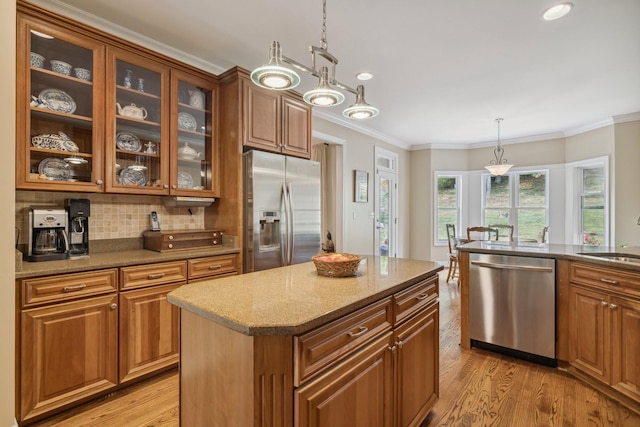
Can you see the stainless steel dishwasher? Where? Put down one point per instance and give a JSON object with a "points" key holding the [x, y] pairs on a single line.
{"points": [[512, 305]]}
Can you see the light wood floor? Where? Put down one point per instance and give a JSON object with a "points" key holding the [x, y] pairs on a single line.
{"points": [[477, 388]]}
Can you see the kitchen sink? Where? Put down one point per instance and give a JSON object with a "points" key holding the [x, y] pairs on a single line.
{"points": [[612, 256]]}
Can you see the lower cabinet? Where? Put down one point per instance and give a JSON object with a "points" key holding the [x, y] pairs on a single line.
{"points": [[68, 351], [149, 331], [604, 325]]}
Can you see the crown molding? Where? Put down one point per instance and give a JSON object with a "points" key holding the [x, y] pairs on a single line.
{"points": [[623, 118], [588, 127], [124, 33]]}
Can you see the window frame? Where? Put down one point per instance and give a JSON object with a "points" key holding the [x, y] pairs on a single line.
{"points": [[514, 197], [578, 193], [459, 189]]}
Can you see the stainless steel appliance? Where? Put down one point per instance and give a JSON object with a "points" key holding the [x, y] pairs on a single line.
{"points": [[47, 234], [79, 211], [281, 209], [512, 305]]}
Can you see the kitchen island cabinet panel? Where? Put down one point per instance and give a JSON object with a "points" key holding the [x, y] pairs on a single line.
{"points": [[625, 337], [68, 352], [149, 332]]}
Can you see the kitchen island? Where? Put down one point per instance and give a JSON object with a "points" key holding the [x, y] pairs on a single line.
{"points": [[597, 310], [285, 346]]}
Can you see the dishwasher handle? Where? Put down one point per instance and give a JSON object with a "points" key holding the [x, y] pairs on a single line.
{"points": [[512, 267]]}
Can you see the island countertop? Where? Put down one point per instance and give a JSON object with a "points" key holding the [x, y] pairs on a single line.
{"points": [[294, 299]]}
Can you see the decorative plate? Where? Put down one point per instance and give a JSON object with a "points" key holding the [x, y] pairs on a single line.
{"points": [[130, 176], [187, 122], [55, 169], [57, 100], [52, 141], [128, 141], [185, 180]]}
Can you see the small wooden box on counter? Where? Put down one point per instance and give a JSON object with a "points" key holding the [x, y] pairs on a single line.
{"points": [[171, 240]]}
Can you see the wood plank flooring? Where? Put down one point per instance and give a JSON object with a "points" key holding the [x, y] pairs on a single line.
{"points": [[477, 388]]}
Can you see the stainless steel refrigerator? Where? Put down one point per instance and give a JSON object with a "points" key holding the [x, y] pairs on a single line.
{"points": [[281, 210]]}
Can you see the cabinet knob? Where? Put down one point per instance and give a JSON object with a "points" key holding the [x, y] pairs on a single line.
{"points": [[603, 303], [613, 306], [174, 187], [166, 186], [99, 182], [171, 237], [170, 245], [393, 349], [113, 306], [399, 344]]}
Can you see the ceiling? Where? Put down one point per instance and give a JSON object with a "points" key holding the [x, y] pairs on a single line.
{"points": [[443, 70]]}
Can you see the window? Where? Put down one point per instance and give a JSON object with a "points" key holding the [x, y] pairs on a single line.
{"points": [[447, 204], [592, 205], [518, 199]]}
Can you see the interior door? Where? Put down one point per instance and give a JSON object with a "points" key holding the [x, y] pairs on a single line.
{"points": [[385, 215]]}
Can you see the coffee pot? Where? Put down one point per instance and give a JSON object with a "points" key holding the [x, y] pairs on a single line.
{"points": [[48, 239]]}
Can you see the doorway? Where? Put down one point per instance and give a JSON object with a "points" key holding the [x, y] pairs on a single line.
{"points": [[385, 203]]}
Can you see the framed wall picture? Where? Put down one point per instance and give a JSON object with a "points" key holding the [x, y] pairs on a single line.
{"points": [[360, 186]]}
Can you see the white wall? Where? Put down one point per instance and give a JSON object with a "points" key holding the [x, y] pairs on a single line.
{"points": [[626, 179], [7, 174], [358, 152]]}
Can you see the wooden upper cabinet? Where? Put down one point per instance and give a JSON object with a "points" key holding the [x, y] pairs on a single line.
{"points": [[263, 118], [60, 113], [194, 143], [296, 127], [137, 131]]}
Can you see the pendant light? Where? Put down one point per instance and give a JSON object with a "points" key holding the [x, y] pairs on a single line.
{"points": [[498, 166], [360, 110], [277, 76], [273, 75]]}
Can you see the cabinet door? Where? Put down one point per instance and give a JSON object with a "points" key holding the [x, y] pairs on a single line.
{"points": [[589, 348], [59, 126], [625, 344], [417, 368], [296, 128], [67, 352], [194, 149], [137, 131], [356, 392], [262, 117], [149, 331]]}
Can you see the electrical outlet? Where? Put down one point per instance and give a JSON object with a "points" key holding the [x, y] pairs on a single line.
{"points": [[355, 215]]}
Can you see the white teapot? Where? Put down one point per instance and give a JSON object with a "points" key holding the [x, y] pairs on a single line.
{"points": [[188, 153], [132, 111]]}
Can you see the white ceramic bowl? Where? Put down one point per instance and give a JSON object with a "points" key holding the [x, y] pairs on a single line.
{"points": [[60, 67], [37, 60], [82, 73]]}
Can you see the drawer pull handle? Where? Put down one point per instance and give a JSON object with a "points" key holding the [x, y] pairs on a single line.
{"points": [[74, 288], [215, 267], [155, 276], [422, 296], [361, 331], [609, 281]]}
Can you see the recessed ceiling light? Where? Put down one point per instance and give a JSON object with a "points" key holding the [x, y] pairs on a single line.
{"points": [[364, 76], [557, 11]]}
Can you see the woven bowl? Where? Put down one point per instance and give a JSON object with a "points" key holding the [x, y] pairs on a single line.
{"points": [[337, 264]]}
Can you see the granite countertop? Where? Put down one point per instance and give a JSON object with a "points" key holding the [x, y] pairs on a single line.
{"points": [[558, 251], [103, 260], [294, 299]]}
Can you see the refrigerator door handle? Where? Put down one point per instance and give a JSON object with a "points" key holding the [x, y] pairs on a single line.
{"points": [[285, 241], [291, 228]]}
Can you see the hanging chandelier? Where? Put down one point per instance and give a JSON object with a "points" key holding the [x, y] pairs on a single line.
{"points": [[498, 166], [277, 76]]}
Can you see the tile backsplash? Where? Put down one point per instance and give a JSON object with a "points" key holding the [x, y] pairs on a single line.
{"points": [[113, 216]]}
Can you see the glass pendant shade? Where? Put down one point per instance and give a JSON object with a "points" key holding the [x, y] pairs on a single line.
{"points": [[273, 75], [498, 170], [360, 110], [323, 95], [498, 166]]}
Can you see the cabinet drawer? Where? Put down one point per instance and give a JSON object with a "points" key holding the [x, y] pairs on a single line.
{"points": [[316, 349], [68, 286], [215, 266], [153, 274], [605, 278], [413, 299]]}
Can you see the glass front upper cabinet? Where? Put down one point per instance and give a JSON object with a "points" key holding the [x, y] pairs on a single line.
{"points": [[193, 142], [60, 83], [136, 140]]}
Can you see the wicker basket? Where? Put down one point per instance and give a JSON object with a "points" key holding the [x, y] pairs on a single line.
{"points": [[346, 265]]}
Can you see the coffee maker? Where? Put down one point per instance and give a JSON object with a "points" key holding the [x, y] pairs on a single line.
{"points": [[47, 234], [78, 210]]}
